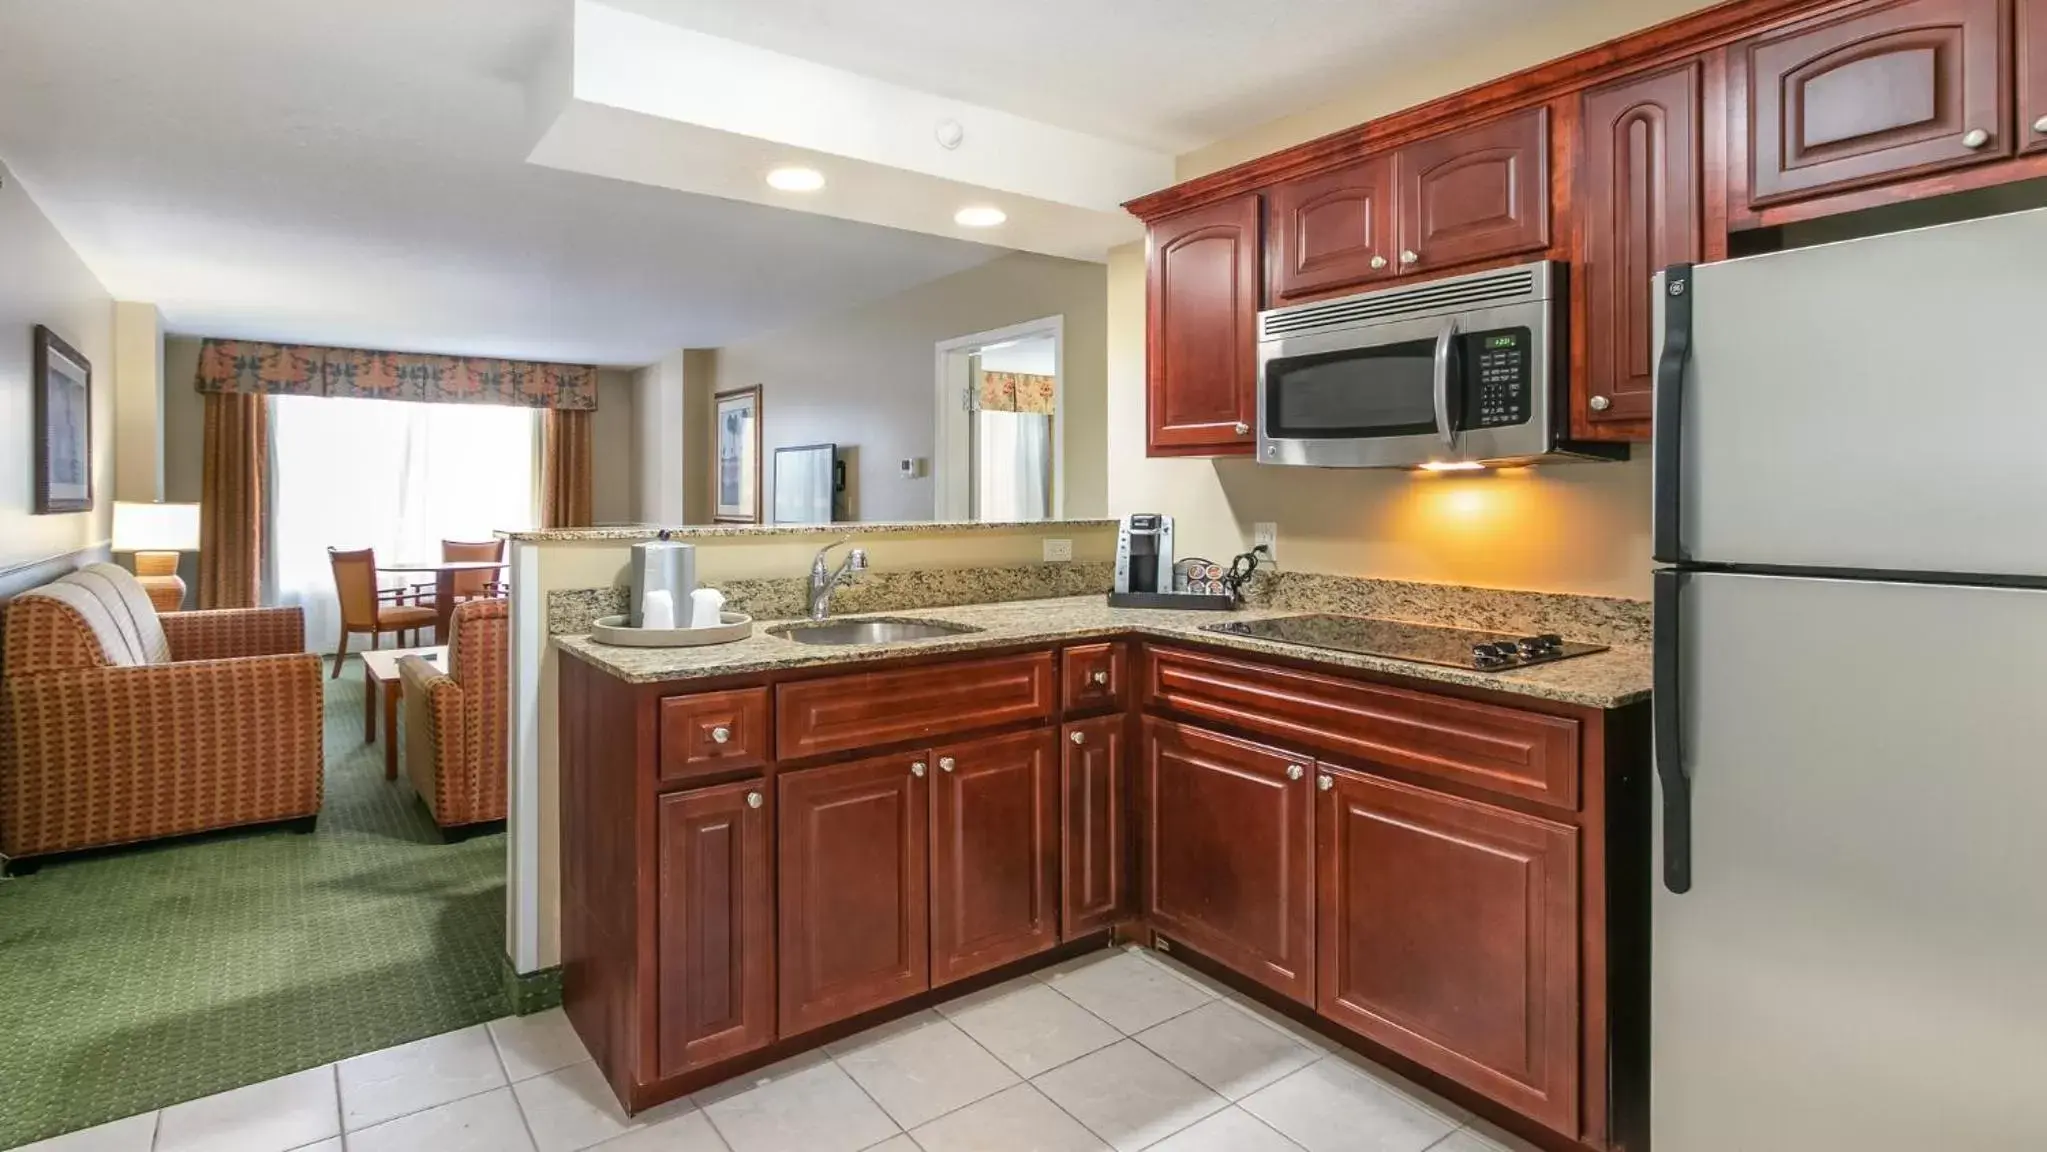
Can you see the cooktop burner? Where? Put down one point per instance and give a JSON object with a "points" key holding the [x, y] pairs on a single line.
{"points": [[1423, 643]]}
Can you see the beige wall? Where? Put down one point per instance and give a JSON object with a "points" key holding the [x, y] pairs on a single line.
{"points": [[613, 444], [864, 378], [137, 379], [1420, 77], [1566, 528], [44, 282]]}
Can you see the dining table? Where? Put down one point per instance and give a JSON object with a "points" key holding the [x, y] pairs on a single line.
{"points": [[444, 573]]}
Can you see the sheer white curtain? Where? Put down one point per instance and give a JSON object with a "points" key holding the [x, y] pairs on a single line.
{"points": [[390, 475]]}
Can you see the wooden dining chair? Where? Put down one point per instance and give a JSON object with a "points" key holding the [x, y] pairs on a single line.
{"points": [[367, 609], [481, 584]]}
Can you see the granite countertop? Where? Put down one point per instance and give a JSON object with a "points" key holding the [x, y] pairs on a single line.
{"points": [[1607, 679], [635, 532]]}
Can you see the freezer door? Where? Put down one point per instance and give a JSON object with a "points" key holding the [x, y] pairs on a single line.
{"points": [[1873, 404], [1861, 960]]}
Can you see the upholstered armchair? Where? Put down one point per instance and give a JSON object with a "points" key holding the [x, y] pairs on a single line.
{"points": [[456, 721], [117, 725]]}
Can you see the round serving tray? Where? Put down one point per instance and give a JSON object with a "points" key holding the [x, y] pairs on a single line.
{"points": [[613, 630]]}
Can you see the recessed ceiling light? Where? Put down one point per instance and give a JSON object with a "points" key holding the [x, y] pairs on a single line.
{"points": [[796, 178], [979, 216]]}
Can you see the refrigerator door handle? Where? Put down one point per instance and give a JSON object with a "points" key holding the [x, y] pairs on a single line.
{"points": [[1674, 292], [1671, 772]]}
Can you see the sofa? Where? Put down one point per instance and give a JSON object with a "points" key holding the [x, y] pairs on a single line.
{"points": [[118, 725], [457, 720]]}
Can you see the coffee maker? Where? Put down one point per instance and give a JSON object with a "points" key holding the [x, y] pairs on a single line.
{"points": [[1144, 554]]}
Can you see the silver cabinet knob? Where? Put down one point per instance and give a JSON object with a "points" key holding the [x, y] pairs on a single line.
{"points": [[1099, 677], [1600, 403], [1975, 138], [721, 735], [2040, 125], [1243, 429], [917, 769], [1378, 262], [1078, 737], [1295, 771], [1410, 257], [753, 800], [945, 764], [1325, 783]]}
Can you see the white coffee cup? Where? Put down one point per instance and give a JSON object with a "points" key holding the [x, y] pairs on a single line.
{"points": [[706, 608], [657, 610]]}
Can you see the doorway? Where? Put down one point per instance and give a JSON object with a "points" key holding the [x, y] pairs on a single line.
{"points": [[1000, 453]]}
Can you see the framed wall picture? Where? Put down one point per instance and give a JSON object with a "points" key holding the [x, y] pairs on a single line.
{"points": [[63, 425], [736, 487]]}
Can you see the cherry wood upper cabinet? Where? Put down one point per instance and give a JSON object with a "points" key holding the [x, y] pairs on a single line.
{"points": [[1095, 827], [715, 921], [2032, 34], [1201, 333], [1474, 194], [1333, 229], [1449, 933], [853, 862], [1876, 93], [1638, 208], [1227, 864], [994, 853]]}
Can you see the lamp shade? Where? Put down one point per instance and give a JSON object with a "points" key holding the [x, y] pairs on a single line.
{"points": [[156, 527]]}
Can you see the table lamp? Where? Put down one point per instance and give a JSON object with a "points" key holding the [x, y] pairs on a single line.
{"points": [[156, 533]]}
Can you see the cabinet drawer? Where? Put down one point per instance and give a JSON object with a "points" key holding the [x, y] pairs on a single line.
{"points": [[1503, 750], [873, 709], [713, 732], [1096, 676]]}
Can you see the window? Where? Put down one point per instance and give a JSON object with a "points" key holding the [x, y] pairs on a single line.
{"points": [[394, 476]]}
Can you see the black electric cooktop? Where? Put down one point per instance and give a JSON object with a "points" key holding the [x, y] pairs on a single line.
{"points": [[1423, 643]]}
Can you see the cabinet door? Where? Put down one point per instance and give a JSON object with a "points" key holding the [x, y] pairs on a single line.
{"points": [[1879, 92], [1094, 827], [855, 927], [1227, 863], [1333, 229], [714, 912], [2032, 33], [1475, 194], [1639, 208], [994, 853], [1449, 933], [1201, 361]]}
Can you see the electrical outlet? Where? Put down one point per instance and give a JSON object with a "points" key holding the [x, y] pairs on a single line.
{"points": [[1058, 549], [1266, 533]]}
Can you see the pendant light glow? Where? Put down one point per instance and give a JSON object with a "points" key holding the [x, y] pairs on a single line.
{"points": [[979, 216], [796, 178]]}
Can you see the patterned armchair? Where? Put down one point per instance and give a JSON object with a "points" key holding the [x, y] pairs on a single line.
{"points": [[117, 725], [456, 722]]}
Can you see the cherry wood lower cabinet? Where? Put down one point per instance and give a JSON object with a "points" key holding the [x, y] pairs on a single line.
{"points": [[1095, 827], [994, 853], [854, 851], [715, 911], [1227, 864], [1448, 931]]}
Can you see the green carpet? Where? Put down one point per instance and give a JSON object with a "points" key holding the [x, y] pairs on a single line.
{"points": [[140, 978]]}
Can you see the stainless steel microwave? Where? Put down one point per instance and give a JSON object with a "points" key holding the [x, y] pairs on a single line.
{"points": [[1460, 372]]}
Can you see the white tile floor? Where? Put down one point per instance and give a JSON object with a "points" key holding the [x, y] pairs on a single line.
{"points": [[1118, 1049]]}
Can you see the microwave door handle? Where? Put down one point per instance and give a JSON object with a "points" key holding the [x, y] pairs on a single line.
{"points": [[1443, 348]]}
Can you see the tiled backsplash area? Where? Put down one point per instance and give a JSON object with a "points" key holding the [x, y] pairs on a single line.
{"points": [[572, 611]]}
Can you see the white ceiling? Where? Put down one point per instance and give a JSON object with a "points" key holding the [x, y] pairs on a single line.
{"points": [[354, 173], [1166, 74]]}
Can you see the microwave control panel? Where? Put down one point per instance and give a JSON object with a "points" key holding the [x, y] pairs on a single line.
{"points": [[1497, 380]]}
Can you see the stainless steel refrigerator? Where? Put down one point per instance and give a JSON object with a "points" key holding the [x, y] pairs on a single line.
{"points": [[1849, 928]]}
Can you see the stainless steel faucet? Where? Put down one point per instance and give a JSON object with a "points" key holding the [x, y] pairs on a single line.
{"points": [[824, 580]]}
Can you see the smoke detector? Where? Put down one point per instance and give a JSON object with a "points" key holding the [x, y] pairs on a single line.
{"points": [[949, 134]]}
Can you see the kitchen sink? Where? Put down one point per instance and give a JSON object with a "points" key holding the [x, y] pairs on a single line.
{"points": [[884, 631]]}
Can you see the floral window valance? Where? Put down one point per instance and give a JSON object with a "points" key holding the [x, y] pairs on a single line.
{"points": [[310, 370], [1018, 392]]}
